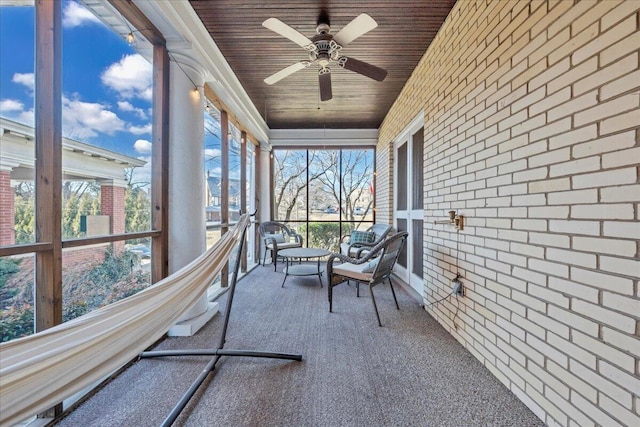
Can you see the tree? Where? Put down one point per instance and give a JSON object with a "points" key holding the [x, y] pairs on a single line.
{"points": [[79, 198], [25, 218], [357, 174], [347, 176], [69, 213], [290, 178], [137, 210], [339, 178]]}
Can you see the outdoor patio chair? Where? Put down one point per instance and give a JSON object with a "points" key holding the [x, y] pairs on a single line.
{"points": [[277, 236], [358, 243], [374, 268]]}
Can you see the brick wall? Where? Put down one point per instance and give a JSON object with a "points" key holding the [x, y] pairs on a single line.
{"points": [[532, 131], [7, 233], [112, 204]]}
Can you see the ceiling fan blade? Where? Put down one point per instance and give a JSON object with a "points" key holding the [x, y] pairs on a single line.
{"points": [[276, 77], [279, 27], [360, 25], [324, 77], [364, 68]]}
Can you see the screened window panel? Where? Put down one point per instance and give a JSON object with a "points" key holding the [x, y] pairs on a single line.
{"points": [[417, 238], [402, 178], [324, 185], [357, 186], [234, 173], [290, 185], [106, 129], [417, 168], [212, 173], [16, 299], [17, 143], [103, 274], [402, 258], [339, 188]]}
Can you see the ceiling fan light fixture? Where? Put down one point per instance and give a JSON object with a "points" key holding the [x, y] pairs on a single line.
{"points": [[323, 29], [325, 48]]}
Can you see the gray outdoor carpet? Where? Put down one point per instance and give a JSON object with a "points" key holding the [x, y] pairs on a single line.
{"points": [[410, 372]]}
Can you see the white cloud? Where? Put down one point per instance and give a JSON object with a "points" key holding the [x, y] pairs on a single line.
{"points": [[27, 79], [14, 110], [27, 117], [84, 120], [147, 94], [139, 130], [130, 108], [75, 15], [142, 146], [126, 106], [212, 152], [130, 77], [142, 175], [7, 105]]}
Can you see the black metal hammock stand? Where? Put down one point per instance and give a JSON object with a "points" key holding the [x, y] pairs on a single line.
{"points": [[217, 353]]}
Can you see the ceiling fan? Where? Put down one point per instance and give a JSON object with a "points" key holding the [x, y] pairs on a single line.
{"points": [[324, 48]]}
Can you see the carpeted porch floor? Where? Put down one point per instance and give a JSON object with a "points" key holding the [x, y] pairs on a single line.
{"points": [[410, 372]]}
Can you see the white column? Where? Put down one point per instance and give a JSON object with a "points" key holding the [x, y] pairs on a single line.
{"points": [[265, 191], [187, 222]]}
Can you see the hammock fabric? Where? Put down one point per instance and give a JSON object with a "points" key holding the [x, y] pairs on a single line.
{"points": [[41, 370]]}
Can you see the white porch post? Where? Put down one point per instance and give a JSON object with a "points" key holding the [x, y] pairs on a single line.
{"points": [[187, 222]]}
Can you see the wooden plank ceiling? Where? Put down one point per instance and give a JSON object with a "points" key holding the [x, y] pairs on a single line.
{"points": [[405, 30]]}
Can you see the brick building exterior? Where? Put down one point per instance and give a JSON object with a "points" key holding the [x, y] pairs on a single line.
{"points": [[532, 130], [87, 162], [7, 233]]}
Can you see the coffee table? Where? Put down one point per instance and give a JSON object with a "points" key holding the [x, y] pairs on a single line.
{"points": [[302, 269]]}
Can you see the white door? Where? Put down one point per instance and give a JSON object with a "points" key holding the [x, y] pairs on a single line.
{"points": [[409, 202]]}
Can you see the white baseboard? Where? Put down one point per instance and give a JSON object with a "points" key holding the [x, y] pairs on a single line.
{"points": [[189, 327]]}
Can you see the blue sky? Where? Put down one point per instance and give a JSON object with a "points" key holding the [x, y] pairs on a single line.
{"points": [[106, 85]]}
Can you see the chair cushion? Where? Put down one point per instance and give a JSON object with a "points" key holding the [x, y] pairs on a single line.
{"points": [[380, 229], [371, 266], [353, 252], [286, 245], [353, 271], [365, 237], [278, 237]]}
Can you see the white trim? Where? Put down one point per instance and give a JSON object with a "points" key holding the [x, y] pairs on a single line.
{"points": [[181, 27], [323, 137], [408, 214], [10, 128]]}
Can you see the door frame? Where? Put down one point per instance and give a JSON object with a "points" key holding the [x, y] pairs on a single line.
{"points": [[406, 137]]}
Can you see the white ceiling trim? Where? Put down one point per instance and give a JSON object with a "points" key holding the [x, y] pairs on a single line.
{"points": [[178, 22], [323, 137]]}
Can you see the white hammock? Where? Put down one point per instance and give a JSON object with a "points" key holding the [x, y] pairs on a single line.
{"points": [[41, 370]]}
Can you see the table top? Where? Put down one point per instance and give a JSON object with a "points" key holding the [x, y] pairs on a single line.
{"points": [[303, 252]]}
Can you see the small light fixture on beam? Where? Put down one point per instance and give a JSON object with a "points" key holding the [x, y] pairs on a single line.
{"points": [[130, 38], [195, 92]]}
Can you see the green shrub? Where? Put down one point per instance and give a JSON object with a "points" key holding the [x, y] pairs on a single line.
{"points": [[325, 235], [83, 290], [16, 322], [8, 267]]}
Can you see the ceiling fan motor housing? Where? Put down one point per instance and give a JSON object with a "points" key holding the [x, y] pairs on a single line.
{"points": [[326, 49]]}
